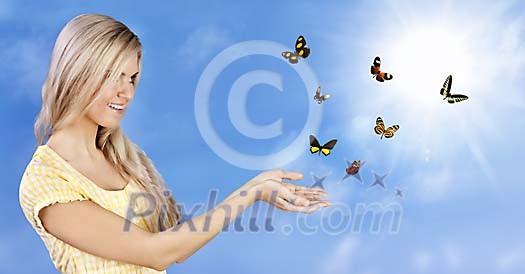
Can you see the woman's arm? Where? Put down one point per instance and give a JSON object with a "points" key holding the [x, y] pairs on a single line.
{"points": [[93, 229], [268, 186], [175, 246], [98, 231]]}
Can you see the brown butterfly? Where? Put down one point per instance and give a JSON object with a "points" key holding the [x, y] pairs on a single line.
{"points": [[375, 69], [354, 168]]}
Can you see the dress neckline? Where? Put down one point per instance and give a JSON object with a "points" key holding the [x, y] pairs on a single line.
{"points": [[68, 165]]}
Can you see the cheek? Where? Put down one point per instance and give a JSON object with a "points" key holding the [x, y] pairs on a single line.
{"points": [[100, 114], [96, 113]]}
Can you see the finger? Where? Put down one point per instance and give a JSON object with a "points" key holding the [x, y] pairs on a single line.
{"points": [[310, 193], [313, 208], [304, 191], [323, 202], [283, 205], [313, 198], [295, 199], [303, 202], [315, 205], [293, 188], [289, 175], [298, 188], [270, 174]]}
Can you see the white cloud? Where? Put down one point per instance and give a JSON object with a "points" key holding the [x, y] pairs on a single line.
{"points": [[6, 10], [450, 256], [453, 256], [341, 260], [201, 43], [25, 62], [431, 186], [359, 129], [422, 261], [511, 260]]}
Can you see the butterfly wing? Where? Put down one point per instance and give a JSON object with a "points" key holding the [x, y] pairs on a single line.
{"points": [[380, 126], [382, 76], [300, 43], [375, 69], [389, 132], [314, 145], [305, 52], [387, 76], [455, 98], [300, 47], [445, 90], [327, 148], [376, 66], [290, 56]]}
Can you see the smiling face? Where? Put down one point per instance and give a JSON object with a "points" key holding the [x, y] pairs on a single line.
{"points": [[115, 97]]}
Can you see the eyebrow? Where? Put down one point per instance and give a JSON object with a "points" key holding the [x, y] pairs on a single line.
{"points": [[134, 74]]}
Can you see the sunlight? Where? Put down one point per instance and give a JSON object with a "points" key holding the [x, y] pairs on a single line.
{"points": [[424, 57]]}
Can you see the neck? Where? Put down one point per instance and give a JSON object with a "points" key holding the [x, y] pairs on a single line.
{"points": [[80, 137]]}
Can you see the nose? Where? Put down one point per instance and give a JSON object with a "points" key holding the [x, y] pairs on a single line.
{"points": [[125, 90]]}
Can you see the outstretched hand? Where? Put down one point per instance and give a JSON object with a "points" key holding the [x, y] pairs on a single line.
{"points": [[271, 187]]}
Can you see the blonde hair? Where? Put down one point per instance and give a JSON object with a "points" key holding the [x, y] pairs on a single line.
{"points": [[90, 53]]}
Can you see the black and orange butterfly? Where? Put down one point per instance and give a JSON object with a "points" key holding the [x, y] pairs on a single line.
{"points": [[301, 51], [380, 129], [451, 98], [315, 147], [375, 69]]}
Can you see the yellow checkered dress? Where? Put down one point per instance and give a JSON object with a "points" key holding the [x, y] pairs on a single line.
{"points": [[49, 179]]}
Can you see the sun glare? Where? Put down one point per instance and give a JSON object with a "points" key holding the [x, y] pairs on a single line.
{"points": [[424, 57], [420, 49]]}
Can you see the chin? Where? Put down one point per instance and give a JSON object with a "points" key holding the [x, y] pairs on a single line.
{"points": [[109, 123]]}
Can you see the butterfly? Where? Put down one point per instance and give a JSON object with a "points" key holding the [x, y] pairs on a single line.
{"points": [[301, 51], [315, 147], [320, 97], [451, 98], [375, 69], [380, 129], [354, 168]]}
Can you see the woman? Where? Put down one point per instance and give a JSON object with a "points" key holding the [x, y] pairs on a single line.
{"points": [[77, 190]]}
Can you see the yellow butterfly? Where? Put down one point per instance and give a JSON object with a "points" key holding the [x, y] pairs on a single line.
{"points": [[301, 51], [315, 147], [380, 129]]}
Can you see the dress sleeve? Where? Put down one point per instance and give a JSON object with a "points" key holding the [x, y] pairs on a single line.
{"points": [[41, 187]]}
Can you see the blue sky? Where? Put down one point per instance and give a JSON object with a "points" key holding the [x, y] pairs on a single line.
{"points": [[460, 164]]}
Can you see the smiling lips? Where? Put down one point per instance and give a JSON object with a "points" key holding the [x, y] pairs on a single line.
{"points": [[117, 107]]}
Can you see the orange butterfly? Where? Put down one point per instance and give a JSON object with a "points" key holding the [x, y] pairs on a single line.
{"points": [[375, 69]]}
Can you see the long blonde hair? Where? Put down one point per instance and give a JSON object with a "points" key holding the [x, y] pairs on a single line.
{"points": [[89, 53]]}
